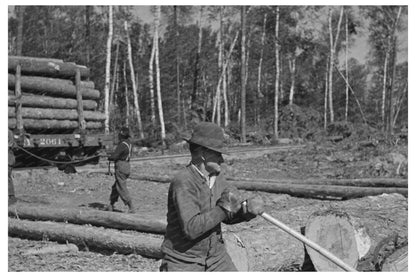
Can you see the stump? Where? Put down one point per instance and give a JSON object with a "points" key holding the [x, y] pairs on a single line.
{"points": [[333, 231]]}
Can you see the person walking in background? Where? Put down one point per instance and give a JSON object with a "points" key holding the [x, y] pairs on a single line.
{"points": [[199, 199], [121, 158], [12, 160]]}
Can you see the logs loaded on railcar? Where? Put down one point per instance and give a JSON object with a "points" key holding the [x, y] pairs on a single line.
{"points": [[53, 113]]}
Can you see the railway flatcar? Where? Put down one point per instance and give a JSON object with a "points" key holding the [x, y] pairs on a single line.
{"points": [[53, 113]]}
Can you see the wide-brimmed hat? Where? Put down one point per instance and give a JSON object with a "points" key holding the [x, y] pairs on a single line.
{"points": [[124, 132], [208, 135]]}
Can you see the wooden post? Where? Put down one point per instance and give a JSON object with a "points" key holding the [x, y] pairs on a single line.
{"points": [[18, 94], [81, 120]]}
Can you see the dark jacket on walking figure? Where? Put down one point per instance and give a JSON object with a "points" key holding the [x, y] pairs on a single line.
{"points": [[121, 159]]}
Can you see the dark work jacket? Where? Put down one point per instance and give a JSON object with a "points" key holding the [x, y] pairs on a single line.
{"points": [[121, 157], [194, 221]]}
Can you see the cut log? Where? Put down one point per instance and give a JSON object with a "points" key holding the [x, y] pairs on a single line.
{"points": [[53, 68], [38, 124], [52, 249], [137, 222], [314, 190], [237, 251], [56, 114], [333, 231], [317, 191], [94, 238], [398, 261], [39, 101], [52, 86], [363, 182]]}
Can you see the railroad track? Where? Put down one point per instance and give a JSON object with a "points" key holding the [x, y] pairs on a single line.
{"points": [[233, 151]]}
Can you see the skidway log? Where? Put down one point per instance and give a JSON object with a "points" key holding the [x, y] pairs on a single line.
{"points": [[56, 114], [39, 101], [53, 124], [340, 190], [137, 222], [85, 236], [47, 67], [317, 191], [52, 86]]}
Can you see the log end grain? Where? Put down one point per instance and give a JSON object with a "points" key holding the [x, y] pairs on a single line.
{"points": [[333, 231]]}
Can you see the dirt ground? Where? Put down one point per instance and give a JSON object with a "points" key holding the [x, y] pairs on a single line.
{"points": [[269, 249]]}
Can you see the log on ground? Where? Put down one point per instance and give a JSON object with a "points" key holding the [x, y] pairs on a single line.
{"points": [[398, 261], [362, 182], [51, 86], [95, 238], [47, 67], [137, 222], [39, 101], [56, 114], [317, 191], [42, 124]]}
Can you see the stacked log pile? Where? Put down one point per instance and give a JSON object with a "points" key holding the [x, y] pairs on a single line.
{"points": [[51, 94]]}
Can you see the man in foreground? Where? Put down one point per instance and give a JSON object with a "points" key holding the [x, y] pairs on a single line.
{"points": [[199, 200]]}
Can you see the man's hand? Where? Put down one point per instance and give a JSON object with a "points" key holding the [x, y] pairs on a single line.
{"points": [[230, 201], [255, 205]]}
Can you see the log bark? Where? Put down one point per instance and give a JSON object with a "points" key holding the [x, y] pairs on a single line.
{"points": [[46, 67], [318, 191], [56, 114], [39, 101], [362, 182], [137, 222], [52, 86], [53, 124], [84, 236], [52, 249], [333, 231]]}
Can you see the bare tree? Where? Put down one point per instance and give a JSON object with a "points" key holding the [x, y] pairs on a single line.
{"points": [[152, 93], [198, 54], [243, 74], [115, 73], [346, 67], [276, 88], [126, 94], [159, 95], [333, 45], [259, 95], [133, 81], [107, 70]]}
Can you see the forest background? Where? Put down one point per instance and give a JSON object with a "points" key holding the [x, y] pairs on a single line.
{"points": [[258, 71]]}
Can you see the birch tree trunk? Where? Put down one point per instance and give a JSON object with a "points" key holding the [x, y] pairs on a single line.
{"points": [[393, 69], [115, 73], [126, 94], [152, 92], [292, 70], [276, 88], [107, 70], [333, 45], [159, 95], [243, 74], [178, 92], [198, 54], [133, 81], [326, 95], [346, 67], [259, 93], [383, 95]]}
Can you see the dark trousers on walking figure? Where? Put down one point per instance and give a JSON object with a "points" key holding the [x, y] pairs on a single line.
{"points": [[119, 189]]}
